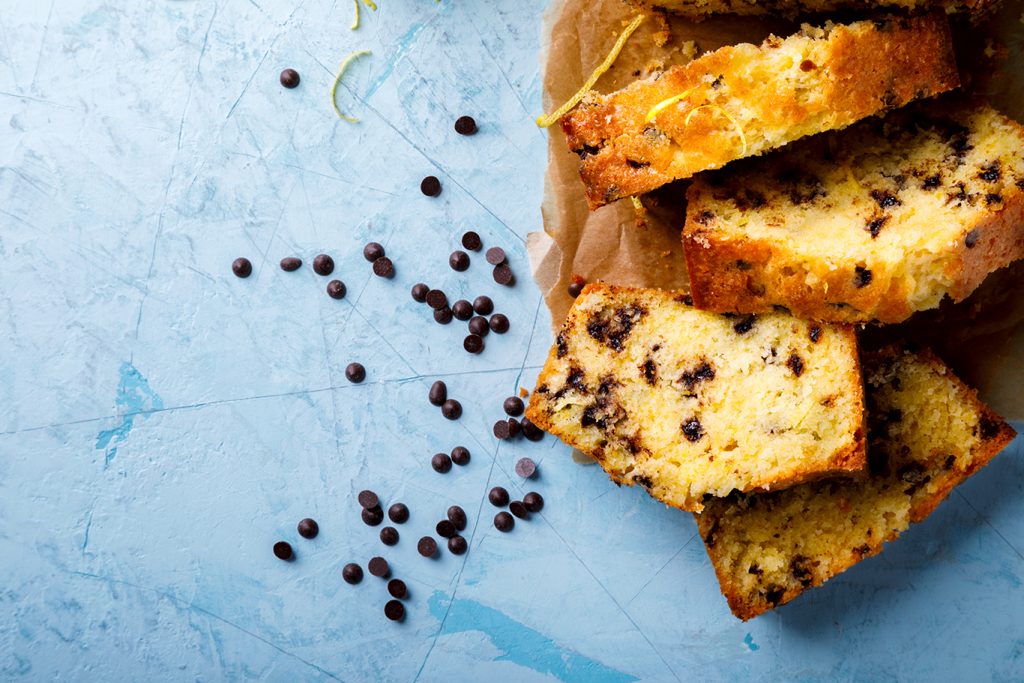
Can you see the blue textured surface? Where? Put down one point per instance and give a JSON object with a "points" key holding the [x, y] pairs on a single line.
{"points": [[164, 423]]}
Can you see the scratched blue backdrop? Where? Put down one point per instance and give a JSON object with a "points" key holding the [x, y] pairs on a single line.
{"points": [[162, 423]]}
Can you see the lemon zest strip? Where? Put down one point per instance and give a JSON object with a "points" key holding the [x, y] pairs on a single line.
{"points": [[371, 4], [723, 112], [546, 120], [637, 205], [355, 20], [665, 104], [337, 80]]}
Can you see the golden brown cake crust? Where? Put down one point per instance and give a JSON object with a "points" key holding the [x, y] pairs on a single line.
{"points": [[862, 69], [699, 9]]}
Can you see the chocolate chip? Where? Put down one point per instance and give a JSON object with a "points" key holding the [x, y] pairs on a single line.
{"points": [[473, 343], [483, 305], [368, 500], [389, 535], [501, 430], [397, 589], [383, 267], [503, 275], [498, 497], [430, 186], [971, 238], [513, 406], [478, 325], [241, 267], [815, 334], [352, 573], [436, 299], [451, 409], [459, 261], [443, 316], [576, 288], [308, 528], [518, 509], [462, 310], [861, 277], [283, 550], [372, 516], [373, 251], [460, 455], [499, 323], [504, 522], [496, 256], [378, 567], [441, 462], [398, 513], [355, 372], [290, 263], [426, 546], [745, 325], [796, 364], [457, 545], [457, 516], [526, 468], [290, 78], [445, 529], [471, 241], [323, 264], [533, 501], [531, 431], [465, 125], [438, 393], [336, 289], [419, 292], [394, 610], [692, 429], [514, 428]]}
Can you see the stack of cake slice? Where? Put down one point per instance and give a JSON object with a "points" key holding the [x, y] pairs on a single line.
{"points": [[817, 200]]}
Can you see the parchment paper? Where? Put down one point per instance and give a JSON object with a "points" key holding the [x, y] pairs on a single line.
{"points": [[982, 338]]}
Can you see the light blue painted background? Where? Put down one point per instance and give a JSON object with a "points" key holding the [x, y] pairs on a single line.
{"points": [[163, 423]]}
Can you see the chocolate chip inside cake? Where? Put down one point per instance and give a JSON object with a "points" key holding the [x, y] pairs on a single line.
{"points": [[872, 223], [927, 433], [688, 403]]}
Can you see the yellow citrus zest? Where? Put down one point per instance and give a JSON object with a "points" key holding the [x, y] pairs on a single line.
{"points": [[720, 110], [548, 119], [355, 19], [665, 104], [371, 4], [337, 79]]}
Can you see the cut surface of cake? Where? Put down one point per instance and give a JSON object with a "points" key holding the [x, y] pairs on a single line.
{"points": [[688, 403], [927, 433], [698, 9], [875, 222], [743, 100]]}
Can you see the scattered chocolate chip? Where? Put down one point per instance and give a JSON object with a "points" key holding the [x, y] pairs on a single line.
{"points": [[483, 305], [503, 275], [308, 528], [445, 529], [290, 263], [531, 431], [426, 546], [462, 310], [514, 428], [457, 545], [419, 292], [526, 468], [504, 522], [815, 334], [692, 429], [336, 289], [472, 241], [394, 610], [459, 261], [533, 501], [513, 406], [460, 455], [398, 589], [352, 573], [576, 288], [451, 409], [241, 267], [479, 326], [443, 316], [383, 267], [430, 186], [323, 264], [398, 513], [744, 325], [438, 393], [441, 462], [372, 516], [499, 323], [457, 516], [283, 550], [373, 251], [861, 277], [473, 343], [290, 78], [496, 256], [796, 364], [971, 238], [465, 125], [436, 299], [378, 567], [501, 430], [498, 497], [807, 65], [389, 535], [355, 372], [368, 500], [518, 509]]}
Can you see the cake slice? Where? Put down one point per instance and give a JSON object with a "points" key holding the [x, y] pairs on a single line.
{"points": [[698, 9], [875, 222], [927, 433], [692, 404], [743, 100]]}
